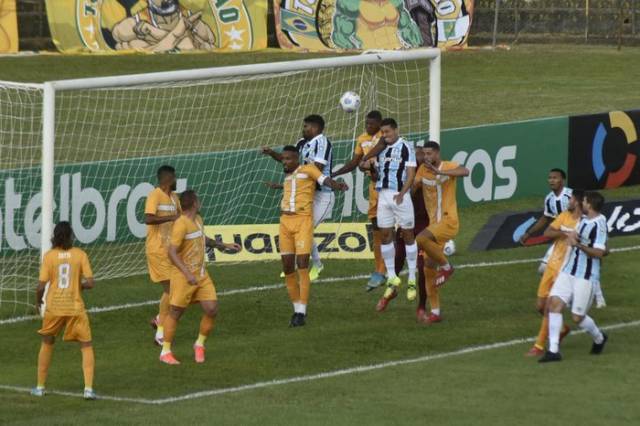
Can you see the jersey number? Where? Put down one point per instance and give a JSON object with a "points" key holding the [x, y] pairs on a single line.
{"points": [[64, 275]]}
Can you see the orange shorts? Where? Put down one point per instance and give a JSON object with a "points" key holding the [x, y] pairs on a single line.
{"points": [[160, 267], [443, 231], [296, 234], [76, 327], [546, 282], [182, 294], [373, 201]]}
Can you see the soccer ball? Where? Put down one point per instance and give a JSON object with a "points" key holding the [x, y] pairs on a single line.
{"points": [[350, 101], [450, 248]]}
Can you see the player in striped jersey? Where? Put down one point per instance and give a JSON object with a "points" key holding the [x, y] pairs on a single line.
{"points": [[556, 202], [575, 284], [396, 169], [314, 148], [296, 227]]}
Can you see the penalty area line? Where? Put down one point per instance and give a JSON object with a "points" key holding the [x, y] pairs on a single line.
{"points": [[258, 288], [314, 377]]}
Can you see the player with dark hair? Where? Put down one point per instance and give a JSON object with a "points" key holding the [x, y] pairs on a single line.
{"points": [[161, 209], [314, 148], [437, 179], [396, 168], [59, 299], [296, 227], [575, 284], [190, 280], [364, 143]]}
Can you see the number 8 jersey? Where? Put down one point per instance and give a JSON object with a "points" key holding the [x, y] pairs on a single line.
{"points": [[63, 270]]}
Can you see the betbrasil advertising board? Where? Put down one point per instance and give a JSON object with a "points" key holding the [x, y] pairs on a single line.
{"points": [[105, 200]]}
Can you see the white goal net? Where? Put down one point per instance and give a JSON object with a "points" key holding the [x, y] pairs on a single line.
{"points": [[112, 134]]}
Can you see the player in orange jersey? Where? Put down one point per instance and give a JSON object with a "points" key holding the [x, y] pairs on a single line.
{"points": [[161, 209], [190, 280], [296, 227], [364, 143], [59, 300], [437, 179]]}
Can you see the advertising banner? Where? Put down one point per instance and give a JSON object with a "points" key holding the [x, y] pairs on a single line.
{"points": [[8, 27], [504, 230], [604, 150], [157, 25], [316, 25]]}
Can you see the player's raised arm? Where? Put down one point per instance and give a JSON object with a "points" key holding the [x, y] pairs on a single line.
{"points": [[265, 150], [540, 224], [375, 150], [350, 166]]}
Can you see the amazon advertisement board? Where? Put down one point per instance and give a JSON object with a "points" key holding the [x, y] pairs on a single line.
{"points": [[503, 231], [604, 150]]}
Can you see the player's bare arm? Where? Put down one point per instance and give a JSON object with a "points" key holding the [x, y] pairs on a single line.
{"points": [[88, 283], [152, 219], [173, 255], [555, 233], [459, 171], [411, 174], [335, 185], [540, 224], [375, 150], [271, 153], [40, 295], [350, 166], [233, 247]]}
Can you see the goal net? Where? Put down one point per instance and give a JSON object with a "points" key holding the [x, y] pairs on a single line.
{"points": [[87, 150]]}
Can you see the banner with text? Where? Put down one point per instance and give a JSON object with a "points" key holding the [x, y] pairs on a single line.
{"points": [[316, 25], [505, 230], [157, 25], [8, 27]]}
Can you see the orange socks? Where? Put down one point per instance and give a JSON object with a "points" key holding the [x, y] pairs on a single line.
{"points": [[305, 285], [377, 255], [44, 360], [432, 290], [292, 287], [88, 365]]}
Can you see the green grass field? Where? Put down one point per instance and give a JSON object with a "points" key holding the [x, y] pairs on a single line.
{"points": [[266, 373]]}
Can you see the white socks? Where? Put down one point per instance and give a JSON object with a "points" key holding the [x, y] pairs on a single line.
{"points": [[315, 255], [555, 326], [300, 308], [388, 252], [412, 259], [589, 325]]}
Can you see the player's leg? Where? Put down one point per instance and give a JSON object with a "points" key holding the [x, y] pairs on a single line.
{"points": [[401, 253], [431, 241], [411, 248], [561, 295], [163, 311], [303, 241], [78, 330], [422, 289], [88, 368], [582, 300], [170, 326], [378, 276], [206, 295], [433, 293], [44, 361]]}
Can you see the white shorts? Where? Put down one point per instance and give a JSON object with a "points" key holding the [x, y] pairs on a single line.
{"points": [[323, 202], [391, 214], [573, 291]]}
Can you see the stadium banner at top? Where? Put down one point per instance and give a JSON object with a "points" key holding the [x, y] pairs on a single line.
{"points": [[8, 27], [317, 25], [157, 26]]}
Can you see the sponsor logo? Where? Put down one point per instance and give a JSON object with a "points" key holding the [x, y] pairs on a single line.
{"points": [[504, 230]]}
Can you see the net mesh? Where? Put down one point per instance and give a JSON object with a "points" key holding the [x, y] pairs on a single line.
{"points": [[110, 142]]}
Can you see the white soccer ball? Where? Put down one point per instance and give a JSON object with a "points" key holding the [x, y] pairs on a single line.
{"points": [[350, 101], [450, 248]]}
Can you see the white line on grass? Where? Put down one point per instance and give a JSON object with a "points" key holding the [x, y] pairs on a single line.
{"points": [[258, 288], [313, 377]]}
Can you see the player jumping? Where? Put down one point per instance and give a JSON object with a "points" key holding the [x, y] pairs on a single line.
{"points": [[437, 179], [315, 148], [296, 226], [364, 143], [59, 297], [190, 280]]}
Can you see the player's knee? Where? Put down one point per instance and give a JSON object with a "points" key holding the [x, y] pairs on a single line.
{"points": [[211, 310], [303, 261], [48, 340], [374, 224], [540, 305], [555, 305], [577, 318], [175, 312], [86, 344], [408, 236]]}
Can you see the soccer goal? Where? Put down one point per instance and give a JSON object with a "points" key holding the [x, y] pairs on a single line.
{"points": [[87, 150]]}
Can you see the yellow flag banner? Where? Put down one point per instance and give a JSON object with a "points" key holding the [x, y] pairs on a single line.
{"points": [[318, 25], [8, 27], [260, 242], [156, 26]]}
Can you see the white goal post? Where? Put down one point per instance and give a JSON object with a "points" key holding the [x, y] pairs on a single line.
{"points": [[51, 88]]}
